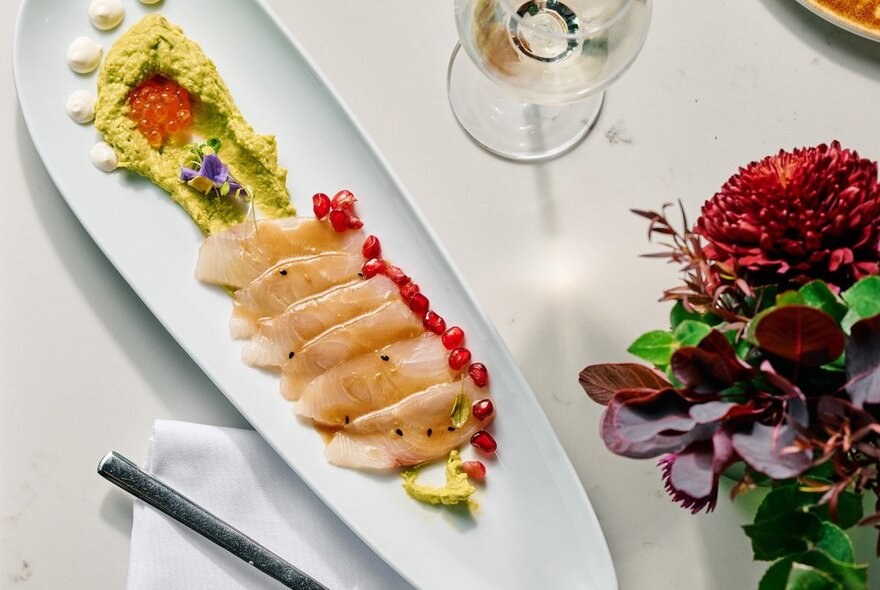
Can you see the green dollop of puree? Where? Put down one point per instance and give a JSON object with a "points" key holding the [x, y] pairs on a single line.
{"points": [[155, 46], [456, 490]]}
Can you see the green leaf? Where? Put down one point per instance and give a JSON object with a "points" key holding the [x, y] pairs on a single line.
{"points": [[461, 411], [839, 574], [849, 510], [776, 577], [224, 189], [790, 497], [743, 347], [790, 298], [655, 347], [826, 549], [836, 543], [678, 314], [783, 534], [691, 332], [804, 577], [214, 144], [851, 576], [817, 294], [863, 299]]}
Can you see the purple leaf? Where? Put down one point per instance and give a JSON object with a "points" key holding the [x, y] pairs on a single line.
{"points": [[692, 475], [709, 367], [801, 334], [642, 423], [710, 411], [601, 382], [692, 472], [773, 450], [863, 362]]}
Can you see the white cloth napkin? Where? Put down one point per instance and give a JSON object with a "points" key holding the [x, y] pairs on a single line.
{"points": [[237, 476]]}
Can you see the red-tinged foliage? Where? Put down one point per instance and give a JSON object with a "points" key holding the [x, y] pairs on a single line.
{"points": [[804, 335], [601, 382]]}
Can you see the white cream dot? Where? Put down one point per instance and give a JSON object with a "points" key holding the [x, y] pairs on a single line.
{"points": [[81, 106], [84, 55], [104, 157], [106, 14]]}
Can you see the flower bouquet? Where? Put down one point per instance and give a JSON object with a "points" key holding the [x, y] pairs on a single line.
{"points": [[771, 366]]}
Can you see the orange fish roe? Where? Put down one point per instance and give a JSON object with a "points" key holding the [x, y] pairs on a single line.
{"points": [[161, 108]]}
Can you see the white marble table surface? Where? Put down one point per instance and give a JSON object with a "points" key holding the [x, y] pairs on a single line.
{"points": [[550, 251]]}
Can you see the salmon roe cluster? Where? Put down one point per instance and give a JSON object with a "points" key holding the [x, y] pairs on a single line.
{"points": [[161, 108]]}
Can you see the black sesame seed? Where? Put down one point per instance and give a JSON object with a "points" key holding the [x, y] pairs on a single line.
{"points": [[290, 355], [362, 275], [347, 419], [451, 428], [399, 432], [384, 357], [282, 272], [430, 432]]}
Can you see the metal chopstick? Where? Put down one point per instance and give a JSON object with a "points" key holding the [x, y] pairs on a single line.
{"points": [[128, 476]]}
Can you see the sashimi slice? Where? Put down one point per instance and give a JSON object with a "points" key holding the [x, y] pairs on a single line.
{"points": [[235, 257], [278, 337], [366, 333], [415, 430], [286, 283], [376, 380]]}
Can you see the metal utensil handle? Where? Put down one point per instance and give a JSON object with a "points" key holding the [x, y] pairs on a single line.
{"points": [[128, 476]]}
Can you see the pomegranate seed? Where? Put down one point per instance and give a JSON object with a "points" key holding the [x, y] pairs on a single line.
{"points": [[372, 248], [344, 200], [354, 222], [474, 469], [419, 304], [321, 205], [483, 409], [453, 337], [372, 267], [484, 441], [435, 323], [408, 290], [397, 276], [459, 358], [339, 220], [479, 374]]}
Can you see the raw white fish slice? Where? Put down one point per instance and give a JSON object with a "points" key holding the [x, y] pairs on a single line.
{"points": [[287, 282], [369, 332], [370, 382], [235, 257], [279, 336], [415, 430]]}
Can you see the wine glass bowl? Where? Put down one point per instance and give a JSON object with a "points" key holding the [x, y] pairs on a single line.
{"points": [[537, 68]]}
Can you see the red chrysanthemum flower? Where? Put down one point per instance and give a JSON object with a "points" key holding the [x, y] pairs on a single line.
{"points": [[813, 213]]}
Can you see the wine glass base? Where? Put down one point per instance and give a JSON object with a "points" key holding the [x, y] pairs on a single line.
{"points": [[511, 127]]}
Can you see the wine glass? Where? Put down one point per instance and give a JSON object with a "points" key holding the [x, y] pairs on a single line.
{"points": [[530, 82]]}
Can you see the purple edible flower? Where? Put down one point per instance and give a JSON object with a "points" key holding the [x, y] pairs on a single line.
{"points": [[212, 176]]}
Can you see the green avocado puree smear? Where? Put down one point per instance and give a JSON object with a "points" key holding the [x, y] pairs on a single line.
{"points": [[154, 46], [456, 490]]}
